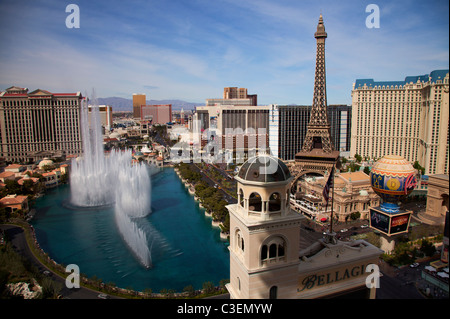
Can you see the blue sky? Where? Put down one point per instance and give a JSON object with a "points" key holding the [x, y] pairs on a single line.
{"points": [[192, 49]]}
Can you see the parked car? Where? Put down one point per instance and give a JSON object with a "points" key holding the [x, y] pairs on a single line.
{"points": [[414, 265], [344, 230]]}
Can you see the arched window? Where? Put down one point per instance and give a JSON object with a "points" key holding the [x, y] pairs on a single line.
{"points": [[239, 240], [264, 252], [275, 202], [273, 250], [273, 292], [255, 202], [281, 250], [241, 197]]}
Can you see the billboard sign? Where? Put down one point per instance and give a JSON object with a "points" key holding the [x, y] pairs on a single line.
{"points": [[399, 223], [389, 224], [379, 221]]}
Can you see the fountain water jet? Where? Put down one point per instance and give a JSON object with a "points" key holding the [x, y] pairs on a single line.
{"points": [[97, 180]]}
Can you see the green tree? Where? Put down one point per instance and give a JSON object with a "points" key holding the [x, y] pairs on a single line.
{"points": [[420, 168], [427, 248], [354, 167], [208, 287], [50, 288], [13, 187], [189, 290], [223, 282], [355, 215], [148, 292]]}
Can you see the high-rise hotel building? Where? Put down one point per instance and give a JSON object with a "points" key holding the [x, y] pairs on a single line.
{"points": [[409, 118], [139, 99], [288, 126], [39, 124]]}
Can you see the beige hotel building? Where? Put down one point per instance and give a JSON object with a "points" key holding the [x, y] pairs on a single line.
{"points": [[409, 118], [39, 124]]}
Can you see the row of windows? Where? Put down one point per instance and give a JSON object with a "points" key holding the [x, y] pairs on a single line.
{"points": [[255, 203], [387, 123], [377, 147], [413, 86], [39, 102], [40, 125], [272, 250]]}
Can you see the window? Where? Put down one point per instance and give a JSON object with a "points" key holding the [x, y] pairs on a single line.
{"points": [[239, 241], [273, 292], [264, 252], [241, 197], [273, 250], [254, 202], [274, 202]]}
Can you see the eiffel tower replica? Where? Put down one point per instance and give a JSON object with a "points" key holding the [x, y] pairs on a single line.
{"points": [[317, 154]]}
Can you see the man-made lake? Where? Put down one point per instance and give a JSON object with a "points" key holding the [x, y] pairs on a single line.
{"points": [[186, 250]]}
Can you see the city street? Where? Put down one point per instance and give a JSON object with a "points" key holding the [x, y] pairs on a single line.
{"points": [[212, 183], [399, 283]]}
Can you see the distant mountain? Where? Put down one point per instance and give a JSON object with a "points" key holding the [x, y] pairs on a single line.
{"points": [[117, 103], [122, 104]]}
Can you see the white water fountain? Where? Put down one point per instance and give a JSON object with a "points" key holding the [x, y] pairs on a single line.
{"points": [[99, 180]]}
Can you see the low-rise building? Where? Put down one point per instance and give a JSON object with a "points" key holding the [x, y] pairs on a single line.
{"points": [[352, 194], [7, 176], [15, 168], [15, 202], [52, 179]]}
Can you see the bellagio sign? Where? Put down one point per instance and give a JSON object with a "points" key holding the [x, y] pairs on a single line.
{"points": [[370, 271]]}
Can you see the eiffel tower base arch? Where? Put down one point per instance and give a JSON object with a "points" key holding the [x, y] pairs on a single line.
{"points": [[307, 164]]}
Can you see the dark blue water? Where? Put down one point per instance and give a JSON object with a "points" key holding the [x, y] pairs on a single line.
{"points": [[189, 250]]}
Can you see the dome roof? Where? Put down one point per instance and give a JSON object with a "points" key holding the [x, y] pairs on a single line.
{"points": [[264, 169], [44, 162]]}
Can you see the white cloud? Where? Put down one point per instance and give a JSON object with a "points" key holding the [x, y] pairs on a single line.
{"points": [[266, 46]]}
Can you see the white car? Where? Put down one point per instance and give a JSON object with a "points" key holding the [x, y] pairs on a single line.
{"points": [[414, 265], [364, 226], [344, 230]]}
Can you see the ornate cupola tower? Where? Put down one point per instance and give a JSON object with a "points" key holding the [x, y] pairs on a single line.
{"points": [[317, 154], [264, 232]]}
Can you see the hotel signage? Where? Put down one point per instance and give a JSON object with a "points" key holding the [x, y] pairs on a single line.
{"points": [[389, 224], [379, 221], [399, 223], [317, 280]]}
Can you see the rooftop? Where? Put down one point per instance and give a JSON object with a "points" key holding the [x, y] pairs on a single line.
{"points": [[432, 78], [264, 169], [355, 176], [13, 199]]}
